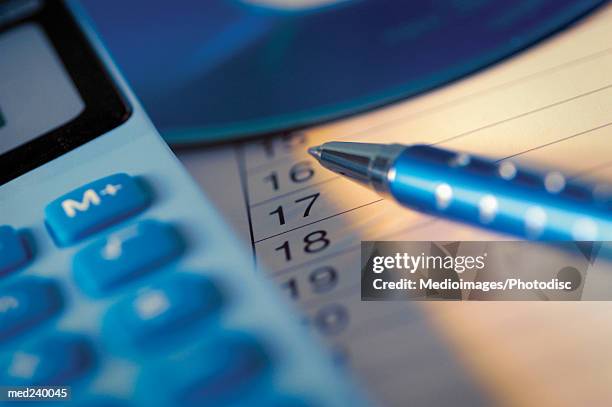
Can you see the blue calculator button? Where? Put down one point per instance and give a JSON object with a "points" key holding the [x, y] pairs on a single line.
{"points": [[57, 360], [162, 310], [94, 206], [13, 252], [124, 255], [223, 371], [27, 303]]}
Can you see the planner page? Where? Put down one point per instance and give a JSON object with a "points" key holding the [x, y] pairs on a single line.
{"points": [[550, 106]]}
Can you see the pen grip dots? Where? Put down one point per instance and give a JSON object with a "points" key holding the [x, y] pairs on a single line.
{"points": [[501, 195]]}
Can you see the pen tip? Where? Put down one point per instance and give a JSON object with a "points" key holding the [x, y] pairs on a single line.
{"points": [[315, 152]]}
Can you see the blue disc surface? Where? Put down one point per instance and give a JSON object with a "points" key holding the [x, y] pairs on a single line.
{"points": [[218, 70]]}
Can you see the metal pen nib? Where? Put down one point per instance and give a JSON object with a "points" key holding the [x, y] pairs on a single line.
{"points": [[316, 152], [362, 162]]}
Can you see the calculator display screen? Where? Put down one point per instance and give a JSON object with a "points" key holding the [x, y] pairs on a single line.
{"points": [[36, 93], [55, 93]]}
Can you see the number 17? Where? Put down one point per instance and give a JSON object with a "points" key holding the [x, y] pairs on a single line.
{"points": [[311, 200]]}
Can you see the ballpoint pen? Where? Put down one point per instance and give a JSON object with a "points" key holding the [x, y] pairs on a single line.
{"points": [[496, 195]]}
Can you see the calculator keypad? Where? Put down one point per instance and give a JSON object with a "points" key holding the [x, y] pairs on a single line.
{"points": [[124, 255], [95, 206], [13, 252], [26, 303], [171, 313]]}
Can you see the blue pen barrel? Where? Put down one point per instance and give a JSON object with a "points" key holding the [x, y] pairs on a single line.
{"points": [[501, 196]]}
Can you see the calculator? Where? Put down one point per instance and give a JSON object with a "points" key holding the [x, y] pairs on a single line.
{"points": [[120, 284]]}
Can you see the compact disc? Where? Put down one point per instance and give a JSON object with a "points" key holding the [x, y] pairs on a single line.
{"points": [[216, 70]]}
